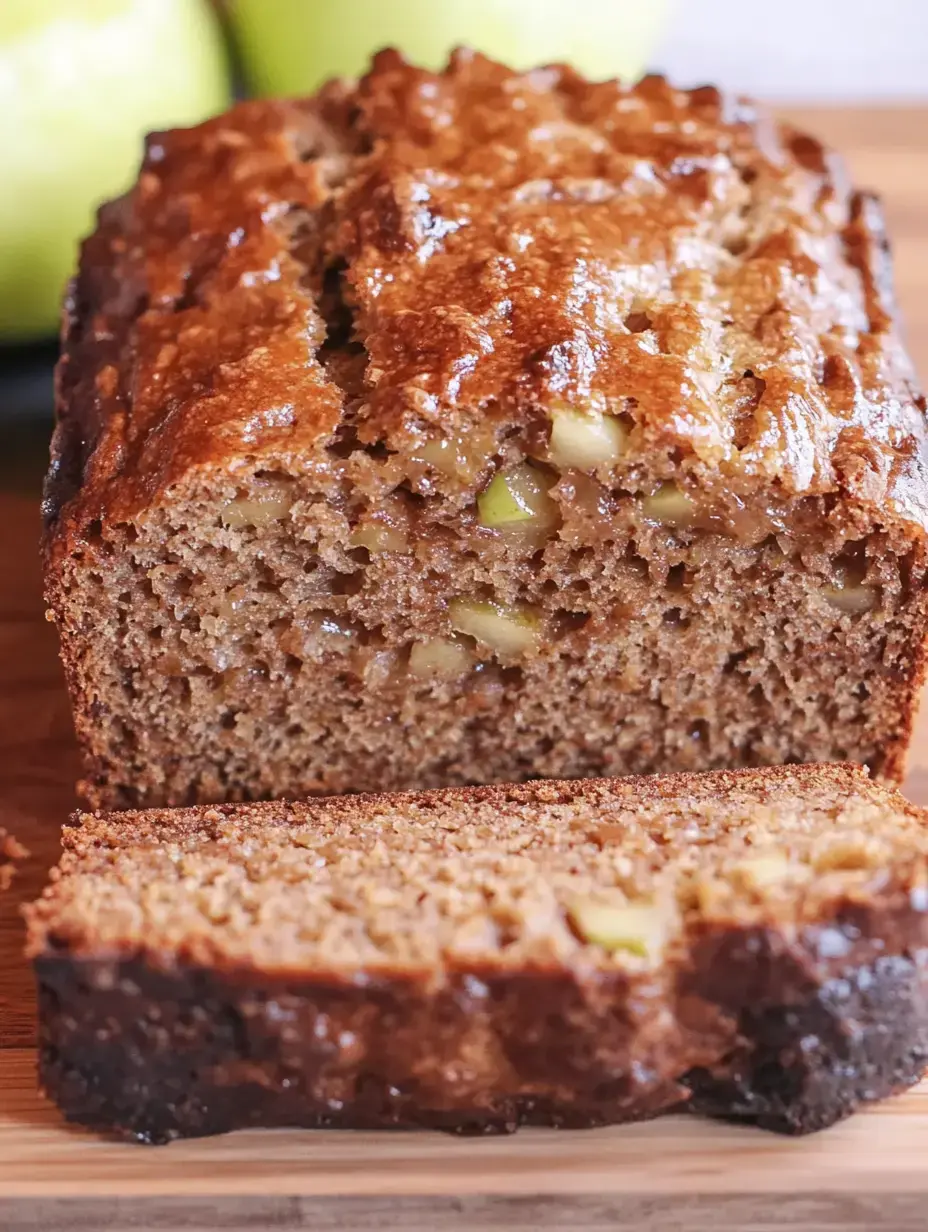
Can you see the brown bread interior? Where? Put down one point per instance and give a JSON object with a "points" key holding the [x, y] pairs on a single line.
{"points": [[240, 647]]}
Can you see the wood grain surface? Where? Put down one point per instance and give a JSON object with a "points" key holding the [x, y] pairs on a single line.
{"points": [[672, 1173]]}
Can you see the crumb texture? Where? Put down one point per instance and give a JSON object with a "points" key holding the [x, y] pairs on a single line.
{"points": [[566, 953], [505, 875]]}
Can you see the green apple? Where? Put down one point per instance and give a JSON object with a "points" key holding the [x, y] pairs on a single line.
{"points": [[291, 46], [81, 81]]}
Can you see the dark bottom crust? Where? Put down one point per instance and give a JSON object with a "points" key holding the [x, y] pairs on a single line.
{"points": [[157, 1055], [800, 1068]]}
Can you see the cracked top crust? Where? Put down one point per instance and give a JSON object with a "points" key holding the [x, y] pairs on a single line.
{"points": [[419, 251]]}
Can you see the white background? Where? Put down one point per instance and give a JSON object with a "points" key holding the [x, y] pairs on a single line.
{"points": [[803, 49]]}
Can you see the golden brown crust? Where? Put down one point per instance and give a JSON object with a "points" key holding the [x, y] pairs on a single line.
{"points": [[493, 234]]}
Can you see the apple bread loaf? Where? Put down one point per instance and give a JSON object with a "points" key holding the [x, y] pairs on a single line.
{"points": [[461, 427], [748, 944]]}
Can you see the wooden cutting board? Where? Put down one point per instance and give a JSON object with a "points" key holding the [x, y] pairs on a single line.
{"points": [[673, 1173]]}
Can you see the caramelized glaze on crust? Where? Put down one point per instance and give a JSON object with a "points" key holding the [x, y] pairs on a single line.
{"points": [[751, 944], [492, 235]]}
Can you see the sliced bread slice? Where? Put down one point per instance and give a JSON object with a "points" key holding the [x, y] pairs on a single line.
{"points": [[746, 944]]}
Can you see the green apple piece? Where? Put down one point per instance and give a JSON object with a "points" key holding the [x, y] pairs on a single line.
{"points": [[668, 504], [506, 629], [439, 658], [852, 599], [635, 928], [292, 46], [585, 439], [517, 495], [80, 84]]}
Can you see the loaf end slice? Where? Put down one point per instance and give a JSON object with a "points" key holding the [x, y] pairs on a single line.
{"points": [[466, 426], [748, 944]]}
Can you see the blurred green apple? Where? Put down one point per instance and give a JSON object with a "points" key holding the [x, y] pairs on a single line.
{"points": [[291, 46], [81, 81]]}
